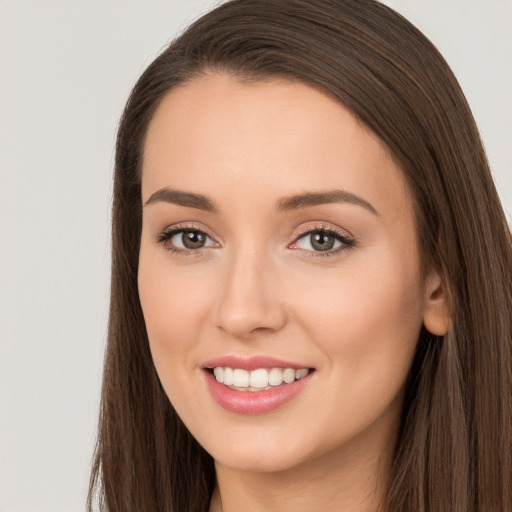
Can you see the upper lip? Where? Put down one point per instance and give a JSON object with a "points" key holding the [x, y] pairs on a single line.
{"points": [[251, 363]]}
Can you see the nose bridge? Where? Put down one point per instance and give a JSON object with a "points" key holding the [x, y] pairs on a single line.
{"points": [[248, 298]]}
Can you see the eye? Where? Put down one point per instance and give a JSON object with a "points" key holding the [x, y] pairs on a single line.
{"points": [[190, 239], [322, 240], [179, 239]]}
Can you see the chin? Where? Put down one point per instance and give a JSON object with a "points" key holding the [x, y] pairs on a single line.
{"points": [[260, 462], [268, 455]]}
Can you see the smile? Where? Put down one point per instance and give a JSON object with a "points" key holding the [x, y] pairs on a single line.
{"points": [[261, 379], [255, 385]]}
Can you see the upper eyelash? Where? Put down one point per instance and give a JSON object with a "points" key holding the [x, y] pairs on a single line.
{"points": [[172, 230], [169, 232], [325, 229], [342, 235], [348, 241]]}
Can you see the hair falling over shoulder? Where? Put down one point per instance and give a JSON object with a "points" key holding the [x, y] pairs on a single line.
{"points": [[454, 451]]}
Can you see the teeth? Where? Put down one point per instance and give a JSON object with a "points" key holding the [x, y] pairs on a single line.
{"points": [[257, 380], [219, 373], [289, 375], [240, 378], [301, 373], [275, 377], [228, 376]]}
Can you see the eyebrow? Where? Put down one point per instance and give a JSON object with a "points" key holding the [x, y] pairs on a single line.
{"points": [[187, 199], [295, 202], [317, 198]]}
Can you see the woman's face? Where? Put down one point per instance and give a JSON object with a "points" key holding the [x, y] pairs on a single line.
{"points": [[278, 240]]}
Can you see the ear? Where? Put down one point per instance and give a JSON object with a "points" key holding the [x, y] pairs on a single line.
{"points": [[435, 313]]}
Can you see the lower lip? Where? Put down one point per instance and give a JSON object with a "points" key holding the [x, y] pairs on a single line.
{"points": [[254, 402]]}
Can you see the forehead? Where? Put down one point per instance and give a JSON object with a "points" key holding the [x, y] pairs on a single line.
{"points": [[216, 134]]}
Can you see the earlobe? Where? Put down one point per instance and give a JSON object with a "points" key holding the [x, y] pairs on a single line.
{"points": [[436, 318]]}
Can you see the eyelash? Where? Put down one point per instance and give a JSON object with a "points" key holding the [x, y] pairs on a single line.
{"points": [[347, 242], [167, 234]]}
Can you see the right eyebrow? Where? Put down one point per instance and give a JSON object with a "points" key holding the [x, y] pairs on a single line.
{"points": [[188, 199], [308, 199]]}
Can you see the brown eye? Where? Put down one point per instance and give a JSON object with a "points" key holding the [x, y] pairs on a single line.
{"points": [[319, 241], [193, 239], [185, 240], [322, 241]]}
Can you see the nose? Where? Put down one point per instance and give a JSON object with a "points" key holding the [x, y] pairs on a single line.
{"points": [[250, 299]]}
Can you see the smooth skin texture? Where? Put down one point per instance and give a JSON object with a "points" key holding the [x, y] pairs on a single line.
{"points": [[260, 286]]}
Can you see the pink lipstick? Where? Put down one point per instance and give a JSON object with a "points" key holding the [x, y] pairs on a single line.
{"points": [[255, 385]]}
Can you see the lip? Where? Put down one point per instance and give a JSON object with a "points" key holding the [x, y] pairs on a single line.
{"points": [[251, 363], [253, 402]]}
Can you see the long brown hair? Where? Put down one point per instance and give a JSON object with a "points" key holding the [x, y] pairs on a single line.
{"points": [[454, 451]]}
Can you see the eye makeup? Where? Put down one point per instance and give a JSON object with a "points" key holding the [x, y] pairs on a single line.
{"points": [[317, 240], [324, 240], [185, 239]]}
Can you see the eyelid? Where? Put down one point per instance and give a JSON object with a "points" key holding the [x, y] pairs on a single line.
{"points": [[166, 234], [347, 240], [322, 226]]}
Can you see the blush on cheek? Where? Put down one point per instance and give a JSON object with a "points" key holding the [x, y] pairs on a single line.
{"points": [[356, 316], [174, 308]]}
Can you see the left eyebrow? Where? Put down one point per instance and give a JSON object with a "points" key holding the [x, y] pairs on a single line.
{"points": [[187, 199], [308, 199]]}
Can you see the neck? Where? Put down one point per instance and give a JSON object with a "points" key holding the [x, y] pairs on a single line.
{"points": [[339, 480]]}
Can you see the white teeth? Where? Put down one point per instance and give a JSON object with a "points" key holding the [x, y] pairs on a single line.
{"points": [[219, 373], [259, 379], [275, 377], [301, 373], [289, 375], [228, 376], [240, 378]]}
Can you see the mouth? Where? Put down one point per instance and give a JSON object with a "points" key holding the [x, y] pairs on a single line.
{"points": [[260, 379], [256, 385]]}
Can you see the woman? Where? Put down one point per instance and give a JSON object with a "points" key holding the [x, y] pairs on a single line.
{"points": [[311, 285]]}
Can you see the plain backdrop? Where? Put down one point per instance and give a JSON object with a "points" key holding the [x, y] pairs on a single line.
{"points": [[66, 68]]}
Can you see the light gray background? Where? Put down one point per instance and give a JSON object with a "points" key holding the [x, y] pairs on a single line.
{"points": [[66, 68]]}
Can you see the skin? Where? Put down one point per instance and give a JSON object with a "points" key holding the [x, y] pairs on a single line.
{"points": [[258, 288]]}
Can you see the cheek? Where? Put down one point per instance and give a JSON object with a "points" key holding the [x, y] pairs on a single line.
{"points": [[370, 313], [173, 302], [367, 320]]}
